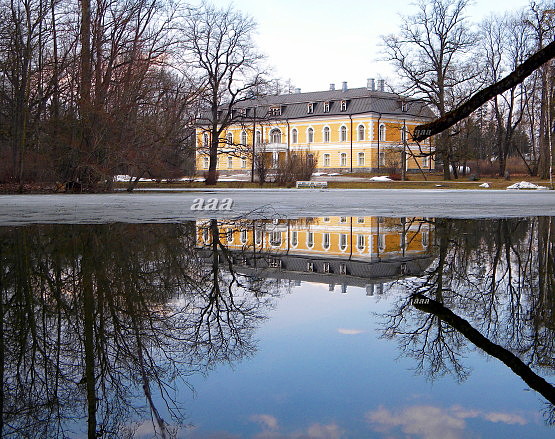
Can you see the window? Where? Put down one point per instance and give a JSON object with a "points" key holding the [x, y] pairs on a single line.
{"points": [[275, 135], [343, 159], [326, 219], [205, 139], [381, 242], [326, 241], [229, 235], [275, 111], [343, 219], [229, 138], [258, 137], [343, 134], [404, 106], [426, 162], [243, 137], [205, 162], [360, 242], [310, 135], [243, 162], [361, 132], [361, 159], [310, 159], [342, 241], [360, 220], [310, 239], [294, 135], [229, 161], [326, 107], [424, 239], [294, 238], [326, 159], [243, 236], [310, 108], [275, 239], [326, 134], [343, 105], [205, 235], [382, 132], [381, 159], [258, 237], [404, 134]]}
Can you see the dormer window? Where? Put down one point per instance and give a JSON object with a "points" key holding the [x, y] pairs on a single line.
{"points": [[326, 107], [310, 108], [404, 106], [275, 111], [343, 105]]}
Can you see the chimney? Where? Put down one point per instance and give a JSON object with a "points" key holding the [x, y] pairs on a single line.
{"points": [[297, 90], [344, 88], [371, 84], [332, 87], [381, 85]]}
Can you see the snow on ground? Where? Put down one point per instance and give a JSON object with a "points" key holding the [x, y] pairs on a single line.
{"points": [[381, 178], [175, 206], [526, 185], [486, 185]]}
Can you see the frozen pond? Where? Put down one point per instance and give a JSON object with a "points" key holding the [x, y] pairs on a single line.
{"points": [[163, 207]]}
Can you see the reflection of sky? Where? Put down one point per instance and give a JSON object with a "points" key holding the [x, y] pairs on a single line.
{"points": [[322, 372]]}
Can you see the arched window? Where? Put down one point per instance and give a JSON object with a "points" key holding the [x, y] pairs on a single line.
{"points": [[361, 132], [326, 134], [229, 138], [205, 139], [294, 135], [275, 135], [243, 137], [343, 134], [310, 135], [258, 137], [382, 132]]}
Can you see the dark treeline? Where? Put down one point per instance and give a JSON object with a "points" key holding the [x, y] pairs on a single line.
{"points": [[100, 325]]}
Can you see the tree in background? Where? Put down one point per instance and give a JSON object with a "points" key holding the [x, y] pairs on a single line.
{"points": [[430, 54], [219, 44]]}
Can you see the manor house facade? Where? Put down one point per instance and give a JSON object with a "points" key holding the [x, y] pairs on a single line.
{"points": [[344, 130]]}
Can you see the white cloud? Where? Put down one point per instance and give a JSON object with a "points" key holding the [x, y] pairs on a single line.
{"points": [[350, 331], [268, 422], [429, 422]]}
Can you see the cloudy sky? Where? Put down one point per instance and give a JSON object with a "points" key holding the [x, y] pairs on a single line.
{"points": [[317, 42]]}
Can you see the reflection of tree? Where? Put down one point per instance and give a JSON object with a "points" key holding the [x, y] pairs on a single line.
{"points": [[499, 275], [104, 317]]}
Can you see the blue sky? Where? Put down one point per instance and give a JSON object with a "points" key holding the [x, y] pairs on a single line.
{"points": [[317, 42]]}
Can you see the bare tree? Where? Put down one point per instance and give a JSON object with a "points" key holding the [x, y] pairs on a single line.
{"points": [[429, 54], [219, 43]]}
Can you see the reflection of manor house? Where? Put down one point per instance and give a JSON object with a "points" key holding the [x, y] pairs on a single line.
{"points": [[358, 251], [344, 130]]}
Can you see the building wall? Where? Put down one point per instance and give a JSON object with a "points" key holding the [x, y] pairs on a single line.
{"points": [[367, 145]]}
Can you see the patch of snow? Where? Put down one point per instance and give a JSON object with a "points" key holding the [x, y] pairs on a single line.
{"points": [[486, 185], [526, 185], [381, 178], [333, 174], [319, 174]]}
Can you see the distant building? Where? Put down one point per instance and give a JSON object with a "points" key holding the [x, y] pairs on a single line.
{"points": [[361, 129]]}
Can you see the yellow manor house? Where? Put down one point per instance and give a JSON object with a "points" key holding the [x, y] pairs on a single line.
{"points": [[344, 130]]}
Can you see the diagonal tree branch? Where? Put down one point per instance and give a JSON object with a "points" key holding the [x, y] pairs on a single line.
{"points": [[524, 70]]}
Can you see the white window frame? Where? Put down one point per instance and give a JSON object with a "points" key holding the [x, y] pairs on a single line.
{"points": [[275, 239], [294, 238], [381, 158], [310, 239], [361, 130], [343, 133], [258, 137], [205, 139], [327, 160], [343, 159], [326, 107], [343, 241], [381, 132], [361, 159], [229, 138], [294, 135], [243, 162], [326, 134], [229, 235], [426, 161], [244, 236], [206, 162], [244, 138], [229, 161], [326, 241], [310, 135], [310, 108], [275, 135], [361, 242], [343, 105]]}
